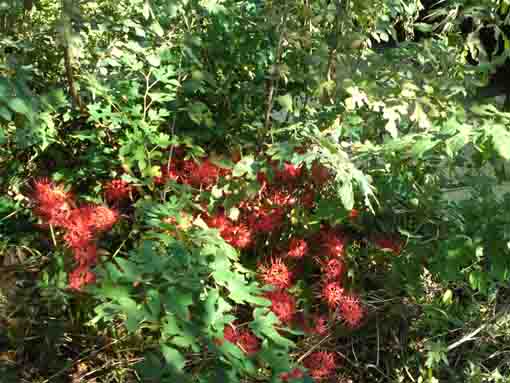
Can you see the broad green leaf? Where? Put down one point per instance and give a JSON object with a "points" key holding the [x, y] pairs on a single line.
{"points": [[19, 106], [130, 270], [5, 113], [501, 140], [285, 102], [347, 195], [146, 10], [156, 28], [153, 302], [244, 167], [134, 313], [173, 357], [154, 60], [422, 146], [420, 117], [213, 6], [265, 325]]}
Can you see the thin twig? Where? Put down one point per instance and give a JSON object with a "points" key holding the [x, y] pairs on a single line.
{"points": [[82, 359], [53, 235], [471, 335], [312, 348], [10, 215]]}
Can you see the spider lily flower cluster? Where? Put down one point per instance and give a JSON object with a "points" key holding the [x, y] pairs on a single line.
{"points": [[81, 225]]}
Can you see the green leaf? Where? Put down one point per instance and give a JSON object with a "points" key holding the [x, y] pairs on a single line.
{"points": [[213, 6], [130, 270], [245, 167], [423, 27], [154, 60], [347, 195], [5, 113], [19, 106], [173, 357], [501, 140], [422, 146], [154, 303], [134, 314], [265, 325], [156, 28], [146, 10], [285, 102], [3, 136], [447, 297]]}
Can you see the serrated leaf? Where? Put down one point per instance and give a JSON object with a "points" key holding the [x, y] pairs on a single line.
{"points": [[265, 324], [245, 166], [422, 146], [454, 144]]}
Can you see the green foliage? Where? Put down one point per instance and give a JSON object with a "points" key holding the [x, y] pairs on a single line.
{"points": [[381, 94]]}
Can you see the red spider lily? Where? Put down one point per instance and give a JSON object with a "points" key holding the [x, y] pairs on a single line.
{"points": [[85, 256], [188, 172], [276, 273], [79, 228], [266, 221], [282, 304], [168, 172], [103, 218], [243, 338], [333, 293], [281, 198], [294, 374], [248, 342], [230, 334], [332, 243], [80, 277], [219, 221], [320, 325], [204, 174], [117, 190], [239, 236], [308, 198], [297, 248], [332, 269], [85, 221], [320, 174], [351, 311], [53, 203], [288, 173], [320, 364]]}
